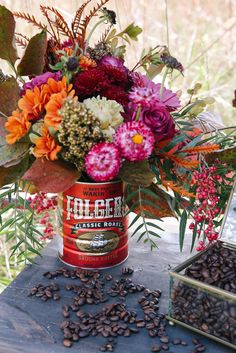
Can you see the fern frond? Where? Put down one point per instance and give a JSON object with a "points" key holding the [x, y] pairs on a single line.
{"points": [[104, 34], [85, 22], [50, 22], [59, 22], [183, 162], [202, 149], [179, 189], [29, 18], [76, 21], [21, 40]]}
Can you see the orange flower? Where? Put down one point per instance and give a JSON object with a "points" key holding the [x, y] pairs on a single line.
{"points": [[53, 86], [69, 51], [46, 146], [86, 63], [33, 103], [52, 117], [18, 126]]}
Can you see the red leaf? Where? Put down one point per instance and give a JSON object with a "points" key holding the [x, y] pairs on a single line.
{"points": [[51, 176]]}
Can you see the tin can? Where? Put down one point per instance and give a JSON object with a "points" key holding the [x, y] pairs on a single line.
{"points": [[93, 228]]}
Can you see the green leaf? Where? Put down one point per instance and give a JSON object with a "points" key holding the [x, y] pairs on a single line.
{"points": [[132, 31], [140, 226], [136, 218], [182, 228], [33, 60], [153, 233], [194, 236], [137, 173], [154, 225], [153, 70], [9, 96], [7, 30], [141, 236]]}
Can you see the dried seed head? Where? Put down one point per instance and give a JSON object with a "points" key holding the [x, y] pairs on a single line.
{"points": [[79, 131]]}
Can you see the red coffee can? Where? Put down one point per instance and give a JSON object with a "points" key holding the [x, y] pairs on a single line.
{"points": [[93, 228]]}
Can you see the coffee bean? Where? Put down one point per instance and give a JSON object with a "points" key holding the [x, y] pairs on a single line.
{"points": [[75, 337], [56, 296], [108, 277], [164, 339], [200, 348], [184, 343], [155, 348], [195, 341], [83, 334], [165, 347], [67, 343], [140, 324]]}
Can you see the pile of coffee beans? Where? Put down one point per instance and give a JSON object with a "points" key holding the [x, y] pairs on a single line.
{"points": [[112, 319], [216, 267], [45, 292], [200, 309]]}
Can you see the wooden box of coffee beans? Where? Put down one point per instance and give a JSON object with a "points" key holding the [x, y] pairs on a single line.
{"points": [[203, 288]]}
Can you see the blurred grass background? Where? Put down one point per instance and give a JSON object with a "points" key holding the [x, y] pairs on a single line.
{"points": [[200, 34]]}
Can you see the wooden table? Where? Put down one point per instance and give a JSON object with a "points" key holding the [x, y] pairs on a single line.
{"points": [[28, 325]]}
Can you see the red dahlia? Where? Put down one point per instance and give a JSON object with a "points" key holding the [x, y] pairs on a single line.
{"points": [[116, 93], [90, 83]]}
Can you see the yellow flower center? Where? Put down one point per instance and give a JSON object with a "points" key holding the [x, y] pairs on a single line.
{"points": [[138, 139]]}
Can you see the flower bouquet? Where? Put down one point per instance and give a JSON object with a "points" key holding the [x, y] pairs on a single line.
{"points": [[72, 110]]}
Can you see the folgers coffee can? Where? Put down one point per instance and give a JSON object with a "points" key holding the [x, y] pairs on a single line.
{"points": [[93, 227]]}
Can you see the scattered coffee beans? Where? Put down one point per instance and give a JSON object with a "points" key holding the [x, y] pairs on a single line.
{"points": [[113, 319]]}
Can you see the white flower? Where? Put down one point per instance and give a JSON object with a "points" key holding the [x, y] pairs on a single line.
{"points": [[107, 111]]}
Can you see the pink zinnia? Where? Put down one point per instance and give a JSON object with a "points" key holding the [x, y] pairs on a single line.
{"points": [[134, 140], [103, 162]]}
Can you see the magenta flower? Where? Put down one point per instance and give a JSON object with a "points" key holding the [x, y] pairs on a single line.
{"points": [[140, 80], [146, 92], [40, 80], [143, 96], [103, 162], [159, 120], [134, 140], [113, 61], [168, 98]]}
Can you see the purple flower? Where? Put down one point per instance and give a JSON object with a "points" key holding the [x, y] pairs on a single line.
{"points": [[112, 61], [40, 80], [168, 98], [140, 80], [146, 92], [159, 120]]}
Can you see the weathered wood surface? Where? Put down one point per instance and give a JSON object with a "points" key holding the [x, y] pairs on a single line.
{"points": [[28, 325]]}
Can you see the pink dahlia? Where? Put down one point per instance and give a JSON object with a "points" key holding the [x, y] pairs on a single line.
{"points": [[143, 96], [147, 92], [168, 98], [103, 162], [134, 140]]}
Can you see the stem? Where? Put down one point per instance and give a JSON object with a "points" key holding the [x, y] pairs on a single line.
{"points": [[16, 73], [91, 33], [3, 115], [138, 114], [163, 81]]}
